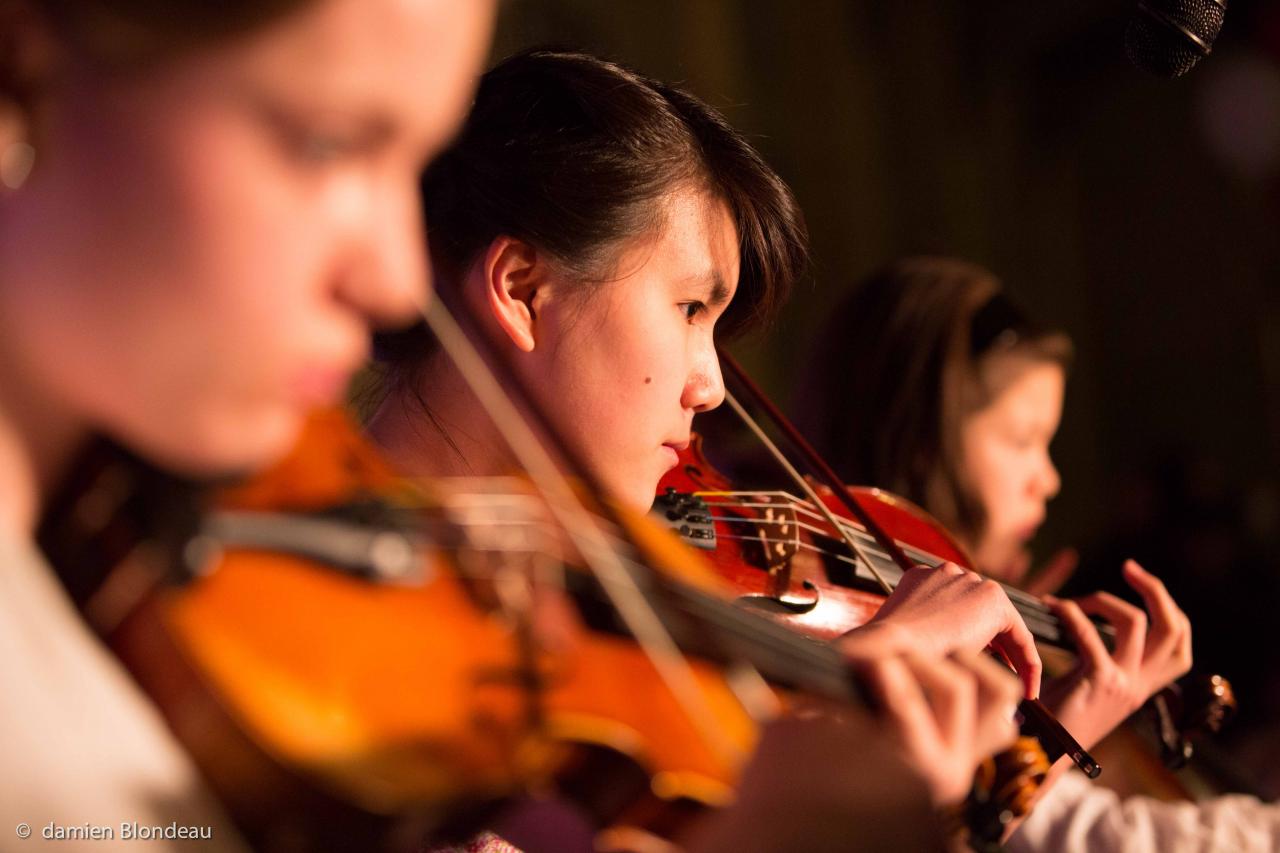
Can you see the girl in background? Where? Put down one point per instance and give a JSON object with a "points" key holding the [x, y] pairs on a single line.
{"points": [[936, 386]]}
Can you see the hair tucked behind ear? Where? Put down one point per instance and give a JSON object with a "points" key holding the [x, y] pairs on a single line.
{"points": [[574, 155]]}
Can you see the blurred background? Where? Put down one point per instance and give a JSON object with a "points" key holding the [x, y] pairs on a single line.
{"points": [[1140, 215]]}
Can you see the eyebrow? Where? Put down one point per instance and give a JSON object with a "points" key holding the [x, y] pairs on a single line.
{"points": [[369, 128], [719, 291]]}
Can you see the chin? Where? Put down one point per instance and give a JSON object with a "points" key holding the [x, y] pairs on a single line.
{"points": [[221, 446], [635, 497]]}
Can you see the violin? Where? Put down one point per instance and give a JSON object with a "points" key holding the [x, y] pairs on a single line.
{"points": [[780, 555], [347, 656], [783, 556], [807, 563]]}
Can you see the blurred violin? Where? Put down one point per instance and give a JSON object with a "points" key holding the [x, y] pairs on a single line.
{"points": [[348, 658]]}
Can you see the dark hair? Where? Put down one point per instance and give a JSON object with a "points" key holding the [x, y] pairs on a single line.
{"points": [[574, 155], [125, 35], [132, 31], [900, 363]]}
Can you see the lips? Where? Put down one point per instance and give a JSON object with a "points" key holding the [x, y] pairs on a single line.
{"points": [[321, 385], [1028, 531], [673, 450]]}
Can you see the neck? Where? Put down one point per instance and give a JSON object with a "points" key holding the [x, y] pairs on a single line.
{"points": [[455, 439], [39, 433], [37, 441]]}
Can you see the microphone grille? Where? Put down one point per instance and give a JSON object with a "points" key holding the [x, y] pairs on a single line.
{"points": [[1168, 37]]}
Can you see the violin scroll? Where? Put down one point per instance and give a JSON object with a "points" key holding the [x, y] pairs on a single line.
{"points": [[1194, 704], [1004, 789]]}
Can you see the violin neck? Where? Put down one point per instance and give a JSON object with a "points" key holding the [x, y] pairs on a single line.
{"points": [[1042, 622], [708, 627]]}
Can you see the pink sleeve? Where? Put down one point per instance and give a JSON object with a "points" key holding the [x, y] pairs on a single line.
{"points": [[485, 842]]}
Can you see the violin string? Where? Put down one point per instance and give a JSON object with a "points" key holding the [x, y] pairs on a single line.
{"points": [[804, 484], [1025, 602], [1019, 597], [789, 656], [790, 501], [585, 531], [803, 546], [1048, 628], [1028, 605], [766, 522]]}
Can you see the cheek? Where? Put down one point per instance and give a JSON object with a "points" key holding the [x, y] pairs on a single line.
{"points": [[229, 310], [618, 401], [634, 363], [219, 277], [177, 217], [990, 472], [170, 324], [616, 389]]}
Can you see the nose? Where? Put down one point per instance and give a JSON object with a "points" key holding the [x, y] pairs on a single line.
{"points": [[387, 278], [704, 388], [1048, 481]]}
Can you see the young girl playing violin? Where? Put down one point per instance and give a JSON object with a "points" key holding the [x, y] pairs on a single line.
{"points": [[604, 227], [203, 208], [967, 393]]}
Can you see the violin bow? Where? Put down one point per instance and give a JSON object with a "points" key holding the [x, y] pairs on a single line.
{"points": [[1052, 734], [511, 407]]}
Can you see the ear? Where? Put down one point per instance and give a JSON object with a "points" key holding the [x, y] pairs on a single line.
{"points": [[512, 274], [30, 58]]}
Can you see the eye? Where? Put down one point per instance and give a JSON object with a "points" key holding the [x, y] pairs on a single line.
{"points": [[1026, 442], [319, 147], [692, 309], [1019, 439], [311, 143]]}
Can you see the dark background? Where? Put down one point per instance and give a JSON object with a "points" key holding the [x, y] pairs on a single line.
{"points": [[1138, 214]]}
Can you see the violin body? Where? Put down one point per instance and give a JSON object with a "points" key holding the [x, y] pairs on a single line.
{"points": [[770, 553], [339, 703], [414, 703], [334, 711]]}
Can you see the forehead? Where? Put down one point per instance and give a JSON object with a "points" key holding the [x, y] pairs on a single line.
{"points": [[1024, 384], [410, 62], [696, 242]]}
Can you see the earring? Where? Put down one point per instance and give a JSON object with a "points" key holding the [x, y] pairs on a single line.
{"points": [[15, 164], [17, 156]]}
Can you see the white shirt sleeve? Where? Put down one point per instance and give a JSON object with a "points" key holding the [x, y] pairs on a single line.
{"points": [[1078, 815], [84, 756]]}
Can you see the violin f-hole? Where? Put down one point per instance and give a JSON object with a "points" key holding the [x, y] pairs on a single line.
{"points": [[783, 603]]}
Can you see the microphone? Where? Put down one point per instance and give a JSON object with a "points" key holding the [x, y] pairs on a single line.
{"points": [[1168, 37]]}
